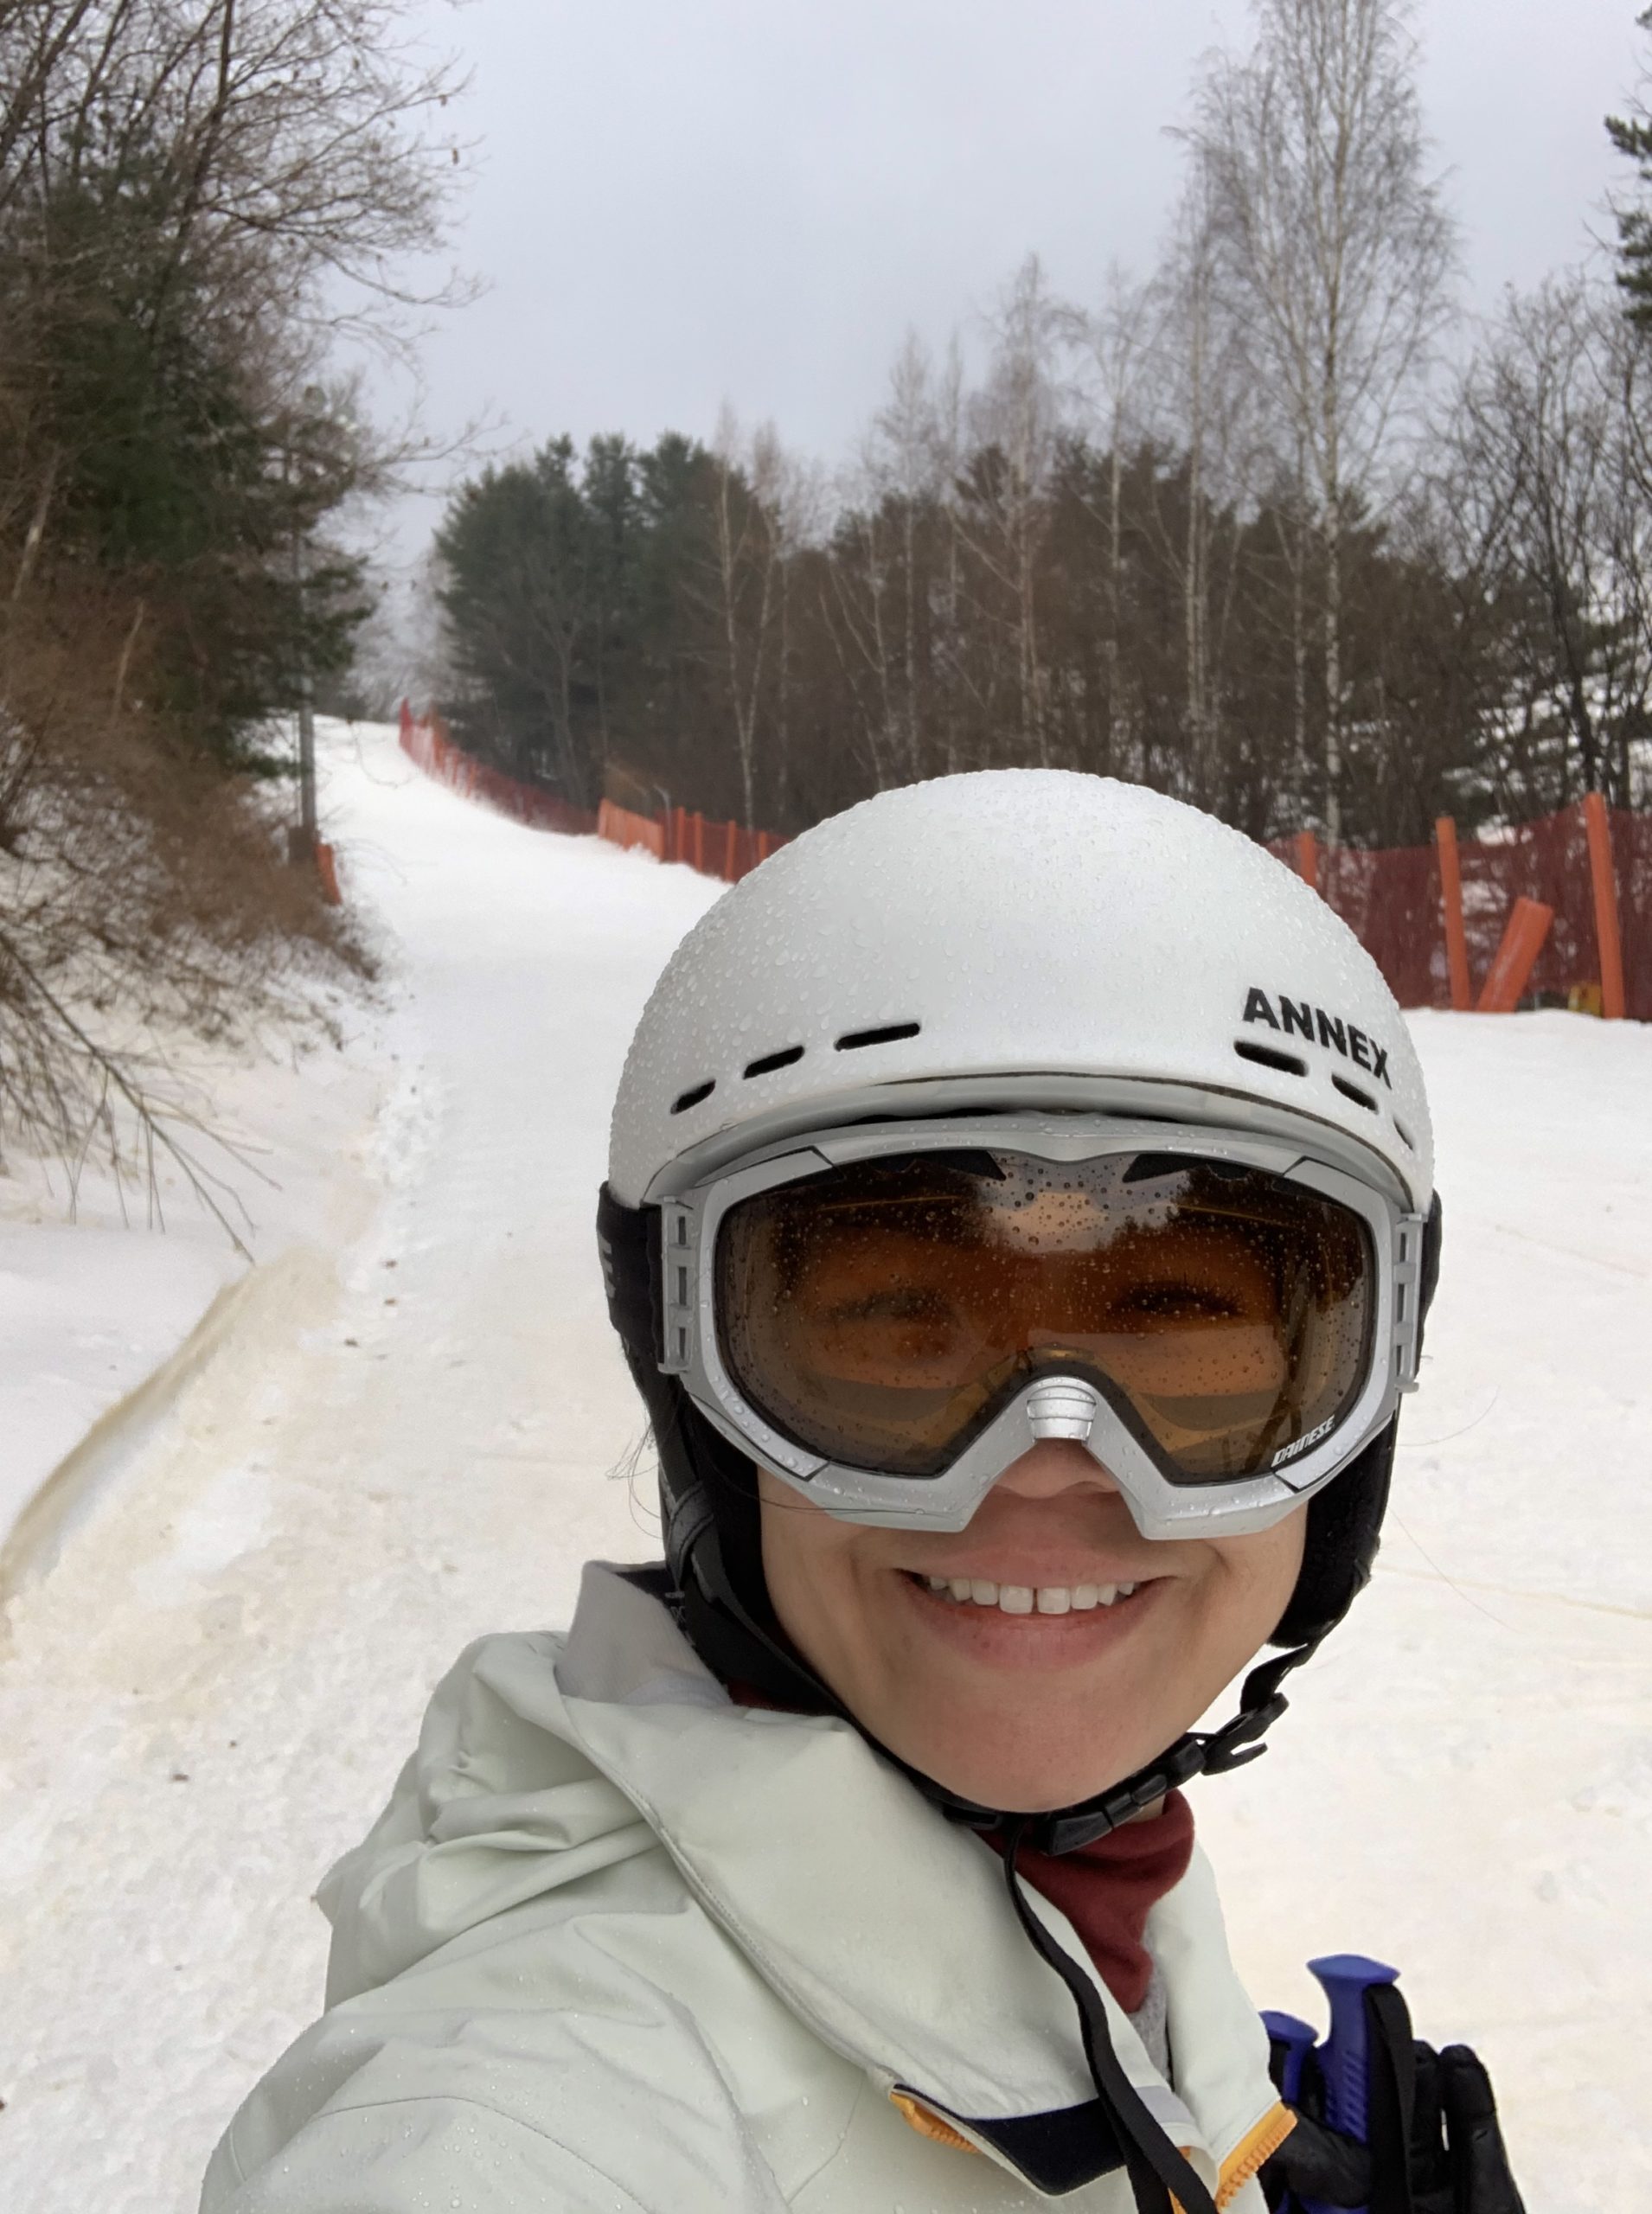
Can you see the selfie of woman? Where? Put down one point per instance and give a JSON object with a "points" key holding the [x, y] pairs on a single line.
{"points": [[825, 1169], [1023, 1328]]}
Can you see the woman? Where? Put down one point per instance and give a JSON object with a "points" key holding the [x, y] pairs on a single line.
{"points": [[1019, 1225]]}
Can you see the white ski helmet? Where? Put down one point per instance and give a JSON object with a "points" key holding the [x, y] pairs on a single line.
{"points": [[998, 944], [1016, 934]]}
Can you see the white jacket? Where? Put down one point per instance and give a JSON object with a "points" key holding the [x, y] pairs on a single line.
{"points": [[619, 1944]]}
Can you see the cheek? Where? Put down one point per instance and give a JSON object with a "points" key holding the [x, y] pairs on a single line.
{"points": [[1263, 1570], [807, 1564], [830, 1587]]}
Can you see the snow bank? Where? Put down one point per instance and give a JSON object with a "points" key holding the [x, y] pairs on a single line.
{"points": [[208, 1697], [96, 1294]]}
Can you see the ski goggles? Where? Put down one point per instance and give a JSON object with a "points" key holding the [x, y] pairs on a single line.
{"points": [[888, 1318]]}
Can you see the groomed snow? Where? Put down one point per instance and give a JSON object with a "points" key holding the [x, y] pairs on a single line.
{"points": [[207, 1697]]}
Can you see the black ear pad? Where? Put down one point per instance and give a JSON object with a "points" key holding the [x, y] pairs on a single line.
{"points": [[1344, 1523]]}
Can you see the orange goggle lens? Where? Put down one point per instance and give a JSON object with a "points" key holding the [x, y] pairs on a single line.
{"points": [[880, 1314]]}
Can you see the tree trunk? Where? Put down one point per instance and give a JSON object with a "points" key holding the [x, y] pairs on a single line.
{"points": [[1333, 687], [1115, 599]]}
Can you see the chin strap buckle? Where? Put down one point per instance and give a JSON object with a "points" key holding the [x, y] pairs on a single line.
{"points": [[1240, 1741], [1212, 1752]]}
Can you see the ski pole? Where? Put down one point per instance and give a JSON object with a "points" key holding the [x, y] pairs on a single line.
{"points": [[1344, 2059], [1298, 2039]]}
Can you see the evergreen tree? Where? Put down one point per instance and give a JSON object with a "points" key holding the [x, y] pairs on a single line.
{"points": [[1632, 136]]}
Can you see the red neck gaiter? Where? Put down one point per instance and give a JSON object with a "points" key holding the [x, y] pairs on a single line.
{"points": [[1107, 1891]]}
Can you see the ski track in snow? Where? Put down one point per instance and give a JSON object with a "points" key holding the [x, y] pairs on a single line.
{"points": [[207, 1697]]}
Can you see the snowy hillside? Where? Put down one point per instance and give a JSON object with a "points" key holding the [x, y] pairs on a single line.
{"points": [[207, 1697]]}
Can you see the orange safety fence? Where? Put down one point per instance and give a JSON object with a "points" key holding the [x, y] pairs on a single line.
{"points": [[1433, 918], [425, 742], [714, 846], [1398, 902], [621, 828], [327, 870], [711, 846], [1516, 958]]}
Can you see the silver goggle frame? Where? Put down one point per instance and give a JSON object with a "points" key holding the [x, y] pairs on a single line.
{"points": [[1055, 1404]]}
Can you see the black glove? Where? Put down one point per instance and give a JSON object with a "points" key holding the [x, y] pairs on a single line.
{"points": [[1434, 2144]]}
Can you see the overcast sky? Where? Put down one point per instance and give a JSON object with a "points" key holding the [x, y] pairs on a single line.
{"points": [[679, 202]]}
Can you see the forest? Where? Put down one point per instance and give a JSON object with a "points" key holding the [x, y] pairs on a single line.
{"points": [[1273, 525]]}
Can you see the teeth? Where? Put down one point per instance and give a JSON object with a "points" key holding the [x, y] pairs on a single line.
{"points": [[1026, 1598]]}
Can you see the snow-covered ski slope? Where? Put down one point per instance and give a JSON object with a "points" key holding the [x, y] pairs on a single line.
{"points": [[207, 1697]]}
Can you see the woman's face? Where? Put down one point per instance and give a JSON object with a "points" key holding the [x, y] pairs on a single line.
{"points": [[1025, 1706]]}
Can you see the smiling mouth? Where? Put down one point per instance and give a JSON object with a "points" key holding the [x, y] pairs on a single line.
{"points": [[1024, 1598]]}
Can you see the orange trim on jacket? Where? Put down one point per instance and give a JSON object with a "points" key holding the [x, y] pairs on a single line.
{"points": [[1258, 2144]]}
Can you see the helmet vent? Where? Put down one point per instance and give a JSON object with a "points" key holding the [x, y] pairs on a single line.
{"points": [[783, 1059], [852, 1040], [1405, 1137], [1269, 1057], [1352, 1092], [684, 1100]]}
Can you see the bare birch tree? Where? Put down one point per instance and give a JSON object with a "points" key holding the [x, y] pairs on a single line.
{"points": [[1548, 488], [1120, 338], [1339, 250], [1018, 419], [748, 518], [906, 464]]}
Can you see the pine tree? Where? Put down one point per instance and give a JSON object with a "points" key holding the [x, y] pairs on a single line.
{"points": [[1632, 136]]}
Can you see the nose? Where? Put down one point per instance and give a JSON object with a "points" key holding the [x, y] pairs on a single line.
{"points": [[1054, 1465]]}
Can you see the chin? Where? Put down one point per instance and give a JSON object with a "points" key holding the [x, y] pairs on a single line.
{"points": [[1023, 1785]]}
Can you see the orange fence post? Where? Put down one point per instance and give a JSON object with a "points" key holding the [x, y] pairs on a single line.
{"points": [[731, 851], [764, 847], [327, 870], [1598, 824], [1523, 936], [1307, 858], [1456, 944], [700, 841]]}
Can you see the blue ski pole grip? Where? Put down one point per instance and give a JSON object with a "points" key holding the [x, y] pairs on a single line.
{"points": [[1345, 2061], [1298, 2040]]}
